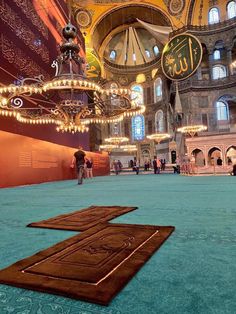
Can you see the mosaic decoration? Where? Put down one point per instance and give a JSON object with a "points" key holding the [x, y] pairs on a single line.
{"points": [[29, 10], [123, 80], [138, 128], [93, 66], [181, 57], [175, 7], [83, 18], [22, 31], [200, 13], [110, 1]]}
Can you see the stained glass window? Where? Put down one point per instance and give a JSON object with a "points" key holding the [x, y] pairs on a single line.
{"points": [[138, 128], [116, 128], [137, 94]]}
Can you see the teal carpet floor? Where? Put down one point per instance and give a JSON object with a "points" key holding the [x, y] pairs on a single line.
{"points": [[193, 272]]}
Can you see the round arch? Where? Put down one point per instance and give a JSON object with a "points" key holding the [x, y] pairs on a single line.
{"points": [[231, 155], [213, 154], [199, 157], [111, 19]]}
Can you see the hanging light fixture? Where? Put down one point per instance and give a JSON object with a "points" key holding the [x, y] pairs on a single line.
{"points": [[129, 148], [108, 147], [69, 100], [116, 140], [158, 137], [192, 129]]}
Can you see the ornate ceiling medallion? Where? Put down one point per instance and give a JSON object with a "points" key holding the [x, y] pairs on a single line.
{"points": [[83, 18], [175, 7]]}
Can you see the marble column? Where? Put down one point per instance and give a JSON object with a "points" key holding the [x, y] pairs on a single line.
{"points": [[229, 61], [210, 61]]}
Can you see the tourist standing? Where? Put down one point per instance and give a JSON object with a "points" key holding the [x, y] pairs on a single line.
{"points": [[89, 168], [158, 166], [78, 162], [154, 163]]}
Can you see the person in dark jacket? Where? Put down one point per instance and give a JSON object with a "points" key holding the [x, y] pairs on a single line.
{"points": [[154, 163], [78, 162]]}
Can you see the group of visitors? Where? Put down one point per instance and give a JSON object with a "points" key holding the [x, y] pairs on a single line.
{"points": [[157, 164], [82, 164]]}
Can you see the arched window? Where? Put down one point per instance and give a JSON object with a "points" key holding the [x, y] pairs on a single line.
{"points": [[112, 55], [156, 50], [231, 9], [216, 54], [138, 128], [137, 94], [222, 111], [147, 52], [116, 128], [214, 16], [218, 72], [159, 121], [158, 89]]}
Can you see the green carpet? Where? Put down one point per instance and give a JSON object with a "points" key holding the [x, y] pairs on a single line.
{"points": [[193, 272]]}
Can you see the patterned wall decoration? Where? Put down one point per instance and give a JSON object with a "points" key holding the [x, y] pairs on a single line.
{"points": [[27, 7], [110, 1], [200, 13], [83, 18], [93, 66], [175, 7], [16, 56], [21, 30]]}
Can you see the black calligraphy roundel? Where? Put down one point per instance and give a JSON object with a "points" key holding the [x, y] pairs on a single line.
{"points": [[181, 57]]}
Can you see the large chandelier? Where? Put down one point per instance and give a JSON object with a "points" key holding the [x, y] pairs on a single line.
{"points": [[69, 100], [108, 147], [158, 137], [129, 148], [116, 140], [192, 129]]}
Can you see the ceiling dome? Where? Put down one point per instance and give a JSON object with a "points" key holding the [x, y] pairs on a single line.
{"points": [[132, 46]]}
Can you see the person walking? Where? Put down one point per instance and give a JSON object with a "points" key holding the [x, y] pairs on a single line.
{"points": [[78, 162]]}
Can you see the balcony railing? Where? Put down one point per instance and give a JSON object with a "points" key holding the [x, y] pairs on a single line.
{"points": [[191, 83], [130, 68], [211, 28]]}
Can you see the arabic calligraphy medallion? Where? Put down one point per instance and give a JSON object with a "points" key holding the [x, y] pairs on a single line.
{"points": [[181, 57]]}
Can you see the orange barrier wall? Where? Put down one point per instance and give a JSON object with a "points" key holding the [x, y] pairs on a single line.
{"points": [[25, 160]]}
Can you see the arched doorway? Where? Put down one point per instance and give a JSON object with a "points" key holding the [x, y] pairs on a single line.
{"points": [[213, 154], [231, 155], [199, 157], [173, 156], [145, 156]]}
